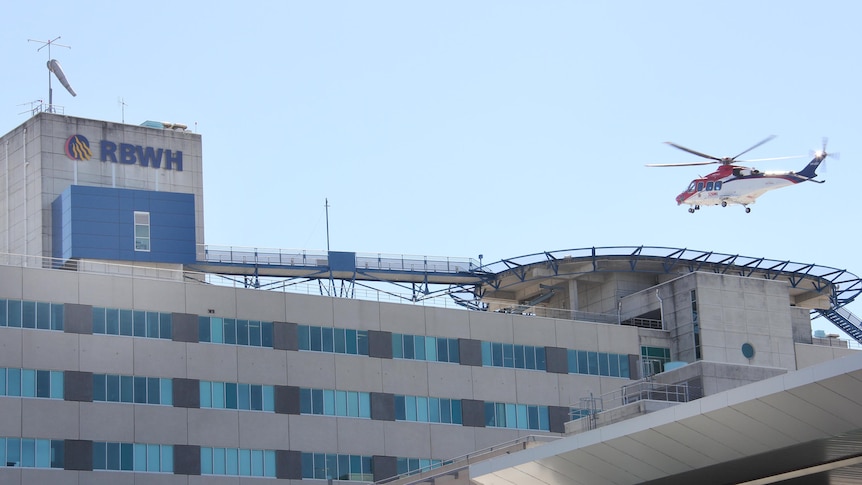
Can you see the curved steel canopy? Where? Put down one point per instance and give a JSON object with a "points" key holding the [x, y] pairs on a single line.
{"points": [[841, 286]]}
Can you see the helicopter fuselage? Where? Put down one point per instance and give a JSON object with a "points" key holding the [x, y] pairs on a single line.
{"points": [[734, 184]]}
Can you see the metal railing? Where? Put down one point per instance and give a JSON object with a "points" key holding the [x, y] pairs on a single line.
{"points": [[319, 258], [637, 391], [650, 323], [464, 461]]}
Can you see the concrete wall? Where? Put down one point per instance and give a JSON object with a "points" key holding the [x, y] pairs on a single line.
{"points": [[734, 311], [34, 164], [808, 355]]}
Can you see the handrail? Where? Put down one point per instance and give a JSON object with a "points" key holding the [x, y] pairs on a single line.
{"points": [[469, 458], [320, 258]]}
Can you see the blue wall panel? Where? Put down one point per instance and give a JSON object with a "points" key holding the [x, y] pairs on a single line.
{"points": [[98, 223]]}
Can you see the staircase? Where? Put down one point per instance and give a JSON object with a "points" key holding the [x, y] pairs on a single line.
{"points": [[846, 321]]}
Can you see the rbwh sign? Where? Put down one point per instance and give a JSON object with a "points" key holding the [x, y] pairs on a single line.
{"points": [[78, 148]]}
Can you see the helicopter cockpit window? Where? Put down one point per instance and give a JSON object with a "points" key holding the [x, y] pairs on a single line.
{"points": [[699, 186], [709, 186], [690, 188]]}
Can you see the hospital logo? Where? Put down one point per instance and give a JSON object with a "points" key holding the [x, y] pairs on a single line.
{"points": [[78, 148]]}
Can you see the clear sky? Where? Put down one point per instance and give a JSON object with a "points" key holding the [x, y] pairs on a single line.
{"points": [[459, 128]]}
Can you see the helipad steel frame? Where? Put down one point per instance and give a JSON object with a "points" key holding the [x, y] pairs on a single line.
{"points": [[429, 277]]}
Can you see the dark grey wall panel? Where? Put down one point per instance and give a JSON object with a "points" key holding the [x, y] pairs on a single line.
{"points": [[382, 406], [285, 336], [380, 344], [187, 460], [557, 360], [187, 393], [384, 467], [558, 416], [77, 318], [286, 400], [78, 455], [288, 465], [634, 370], [470, 352], [78, 386], [184, 327], [473, 413]]}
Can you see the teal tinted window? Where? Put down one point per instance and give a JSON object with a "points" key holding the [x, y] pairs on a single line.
{"points": [[418, 347], [31, 453], [409, 466], [327, 339], [495, 354], [131, 323], [235, 332], [654, 358], [427, 409], [516, 416], [28, 317], [237, 462], [132, 389], [246, 397], [335, 403], [132, 457], [14, 313], [338, 467]]}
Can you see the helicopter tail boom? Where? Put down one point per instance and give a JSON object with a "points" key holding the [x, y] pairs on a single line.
{"points": [[810, 170]]}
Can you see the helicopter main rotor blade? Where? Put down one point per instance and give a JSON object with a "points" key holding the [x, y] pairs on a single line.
{"points": [[689, 164], [770, 137], [769, 159], [693, 152]]}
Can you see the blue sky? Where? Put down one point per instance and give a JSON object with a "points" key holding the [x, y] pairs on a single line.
{"points": [[454, 128]]}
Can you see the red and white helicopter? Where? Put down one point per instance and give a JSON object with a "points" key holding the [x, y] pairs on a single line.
{"points": [[738, 184]]}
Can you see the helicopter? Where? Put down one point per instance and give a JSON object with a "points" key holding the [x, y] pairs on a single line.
{"points": [[739, 184]]}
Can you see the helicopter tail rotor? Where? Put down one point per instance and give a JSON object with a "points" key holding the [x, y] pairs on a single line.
{"points": [[823, 153]]}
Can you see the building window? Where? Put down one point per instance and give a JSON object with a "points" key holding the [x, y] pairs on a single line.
{"points": [[130, 389], [132, 323], [578, 413], [695, 324], [133, 457], [427, 409], [336, 340], [31, 453], [238, 462], [339, 467], [514, 356], [598, 363], [654, 359], [517, 416], [232, 331], [142, 231], [31, 314], [410, 466], [328, 402], [31, 383], [419, 347], [230, 395]]}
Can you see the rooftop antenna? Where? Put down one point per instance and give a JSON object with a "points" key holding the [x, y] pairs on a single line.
{"points": [[54, 66], [328, 253], [122, 103], [326, 205]]}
